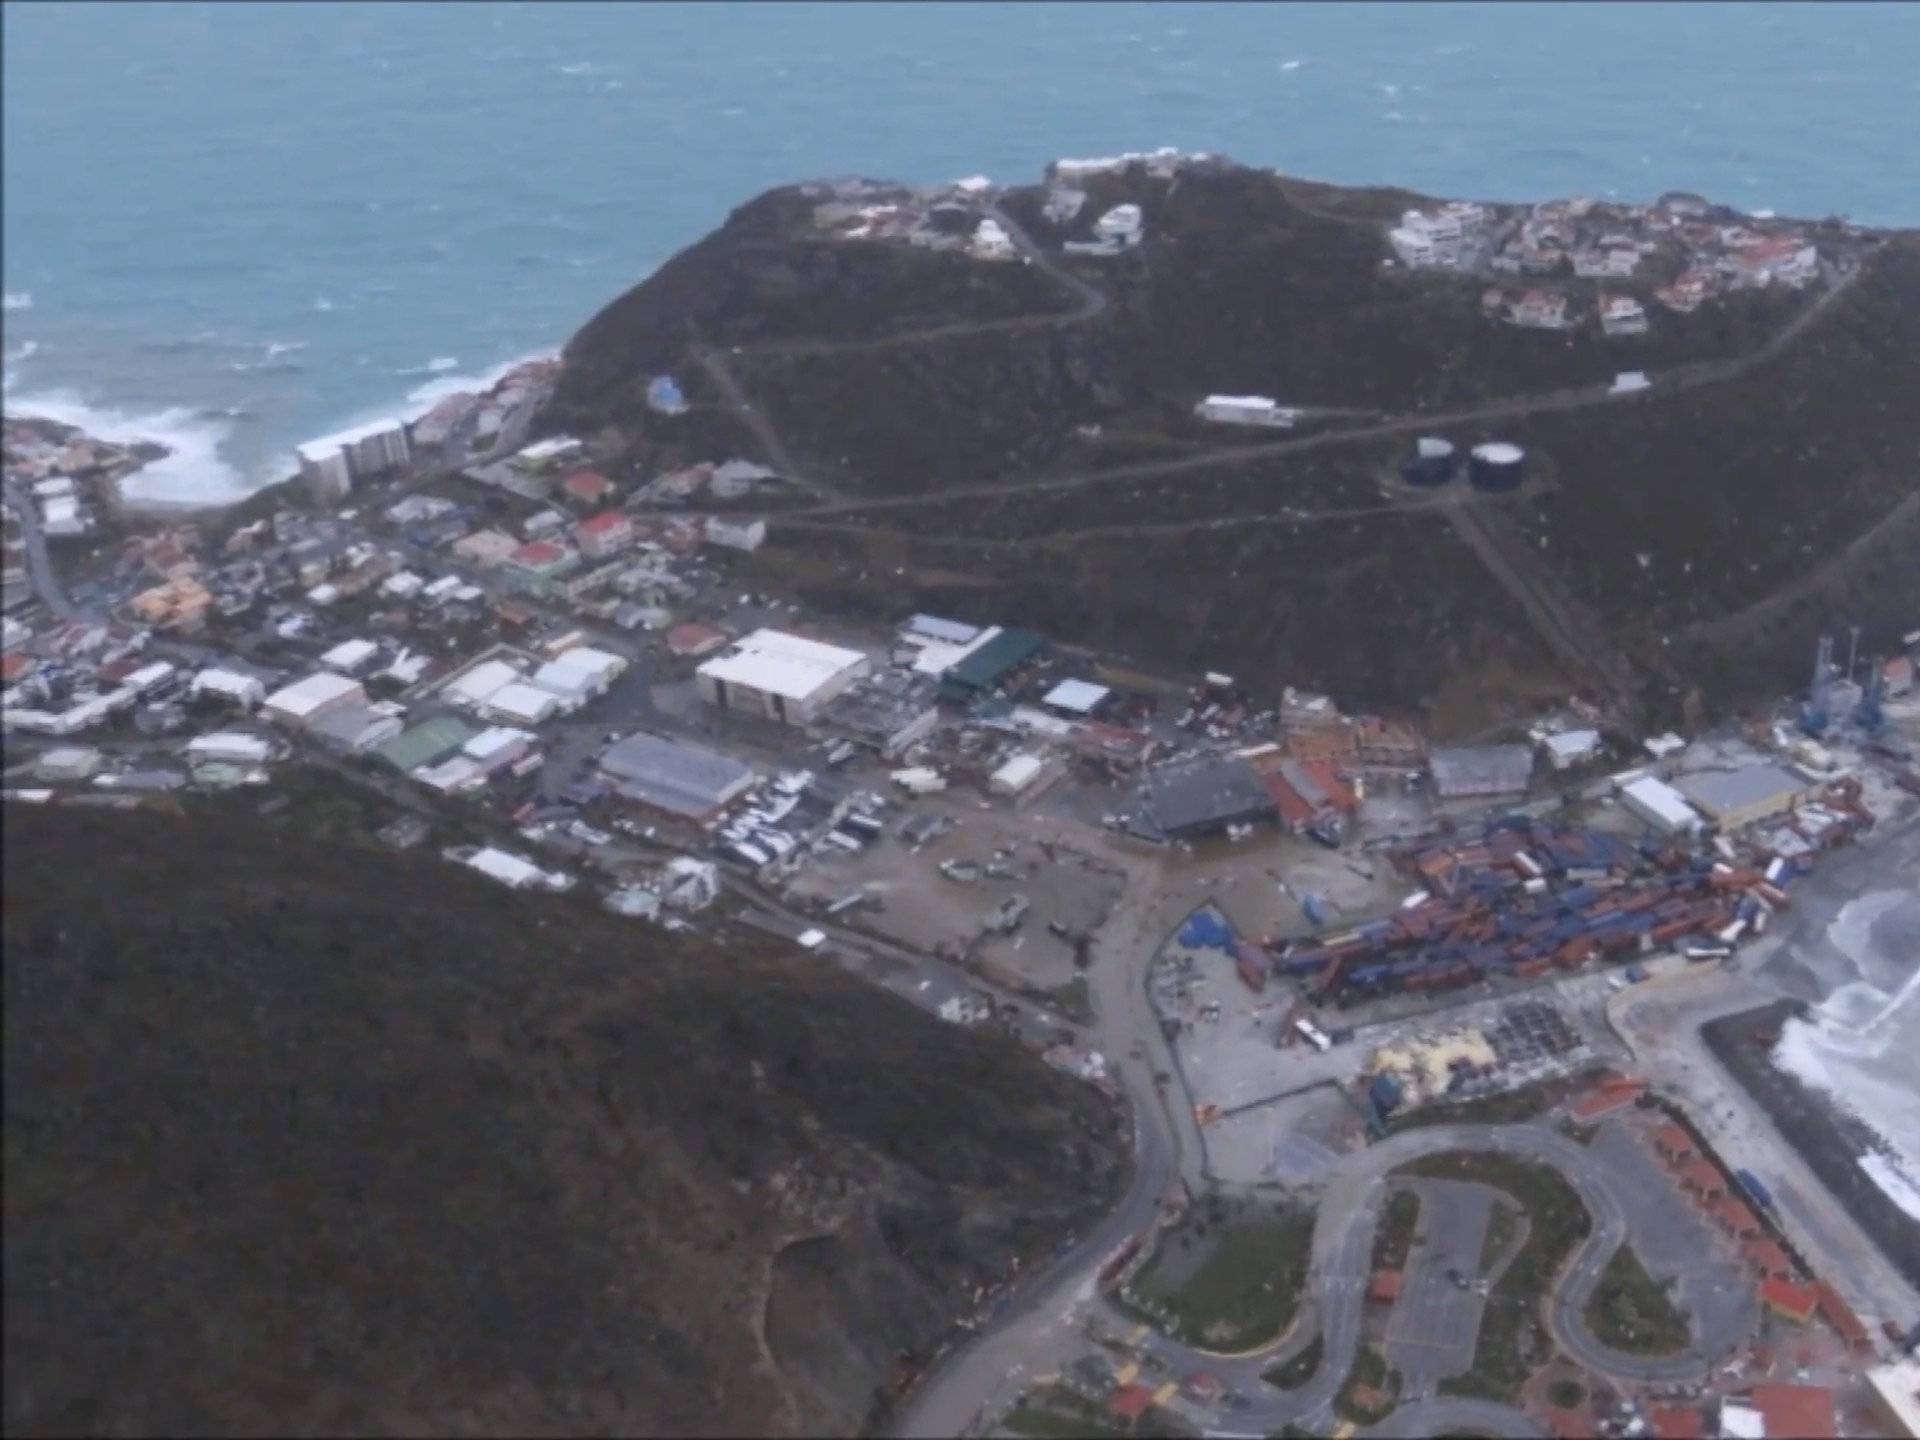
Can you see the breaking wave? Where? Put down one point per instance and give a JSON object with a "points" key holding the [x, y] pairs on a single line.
{"points": [[19, 300], [191, 472], [1861, 1045]]}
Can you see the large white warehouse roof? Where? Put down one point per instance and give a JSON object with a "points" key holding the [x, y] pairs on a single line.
{"points": [[776, 663], [316, 692]]}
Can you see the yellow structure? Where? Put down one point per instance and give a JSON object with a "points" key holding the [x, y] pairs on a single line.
{"points": [[180, 604]]}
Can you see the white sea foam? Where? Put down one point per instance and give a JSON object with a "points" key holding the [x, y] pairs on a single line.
{"points": [[426, 395], [1291, 64], [322, 303], [19, 300], [28, 349], [284, 347], [192, 471], [1861, 1045], [1898, 1186]]}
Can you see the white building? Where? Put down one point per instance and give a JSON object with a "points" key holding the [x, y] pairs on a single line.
{"points": [[231, 746], [992, 242], [514, 871], [305, 701], [546, 454], [452, 775], [1570, 747], [1629, 381], [1623, 315], [746, 535], [1246, 410], [228, 685], [1660, 805], [519, 703], [332, 465], [1120, 226], [1063, 204], [778, 676], [498, 747], [472, 688], [1075, 697], [148, 678], [580, 674], [1017, 775], [350, 657]]}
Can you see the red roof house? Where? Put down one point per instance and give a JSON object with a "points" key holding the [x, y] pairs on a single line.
{"points": [[587, 487], [14, 667], [1701, 1178], [604, 534], [1791, 1302], [694, 639], [1673, 1143], [1847, 1325], [1767, 1258], [1130, 1402], [1677, 1422], [1733, 1217], [1802, 1411], [1612, 1092], [1384, 1286]]}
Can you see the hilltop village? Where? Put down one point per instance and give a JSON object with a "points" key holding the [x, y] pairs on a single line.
{"points": [[1420, 1012]]}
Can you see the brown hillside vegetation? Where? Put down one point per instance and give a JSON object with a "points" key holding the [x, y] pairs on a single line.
{"points": [[306, 1139], [1051, 474]]}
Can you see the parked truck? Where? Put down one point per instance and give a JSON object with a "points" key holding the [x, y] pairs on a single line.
{"points": [[1756, 1191]]}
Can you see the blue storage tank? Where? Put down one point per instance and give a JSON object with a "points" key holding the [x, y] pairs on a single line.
{"points": [[1432, 463], [1497, 467]]}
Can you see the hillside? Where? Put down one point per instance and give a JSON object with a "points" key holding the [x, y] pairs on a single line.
{"points": [[290, 1151], [1043, 466]]}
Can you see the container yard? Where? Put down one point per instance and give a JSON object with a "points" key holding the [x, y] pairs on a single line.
{"points": [[1527, 896]]}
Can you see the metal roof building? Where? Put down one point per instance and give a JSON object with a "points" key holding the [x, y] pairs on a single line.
{"points": [[779, 676], [1732, 798], [1469, 770], [1196, 797], [1077, 697], [987, 664], [685, 781], [305, 701], [932, 627], [425, 744], [1660, 805]]}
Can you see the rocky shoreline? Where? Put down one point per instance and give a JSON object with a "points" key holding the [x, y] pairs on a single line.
{"points": [[1831, 1141], [74, 477]]}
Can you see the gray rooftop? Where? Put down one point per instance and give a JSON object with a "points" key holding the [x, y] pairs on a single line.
{"points": [[1720, 792], [880, 706], [678, 778], [1204, 793], [1481, 769]]}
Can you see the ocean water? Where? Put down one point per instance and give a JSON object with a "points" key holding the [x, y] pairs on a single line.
{"points": [[234, 226], [1861, 1044]]}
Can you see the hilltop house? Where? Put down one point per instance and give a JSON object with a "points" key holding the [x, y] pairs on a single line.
{"points": [[1622, 315], [1539, 310]]}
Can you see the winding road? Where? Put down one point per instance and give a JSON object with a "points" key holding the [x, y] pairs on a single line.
{"points": [[1350, 1211]]}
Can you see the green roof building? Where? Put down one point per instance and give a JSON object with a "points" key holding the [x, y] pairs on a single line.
{"points": [[990, 663], [427, 743]]}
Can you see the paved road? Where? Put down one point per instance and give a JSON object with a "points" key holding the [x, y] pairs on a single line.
{"points": [[1436, 1320], [1581, 397], [1455, 1416], [40, 571], [1661, 1023]]}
